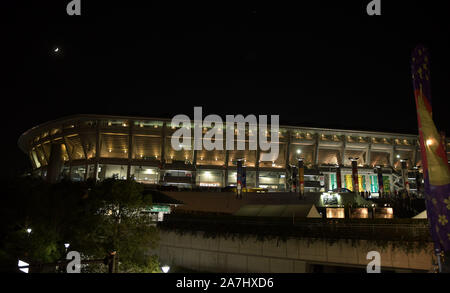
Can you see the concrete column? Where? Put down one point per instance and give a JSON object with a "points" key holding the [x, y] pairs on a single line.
{"points": [[163, 144], [224, 178], [194, 164], [130, 148], [344, 146], [227, 157], [69, 155], [257, 167], [391, 157], [316, 151], [97, 150], [194, 158], [86, 166], [369, 149], [288, 153], [55, 163]]}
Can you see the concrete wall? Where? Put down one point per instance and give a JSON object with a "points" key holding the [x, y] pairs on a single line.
{"points": [[271, 256]]}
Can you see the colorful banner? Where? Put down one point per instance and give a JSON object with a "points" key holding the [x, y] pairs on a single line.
{"points": [[436, 171], [373, 183], [362, 182], [294, 179], [348, 181], [386, 184], [332, 182]]}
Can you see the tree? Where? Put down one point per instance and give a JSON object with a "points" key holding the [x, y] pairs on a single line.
{"points": [[120, 226], [93, 218]]}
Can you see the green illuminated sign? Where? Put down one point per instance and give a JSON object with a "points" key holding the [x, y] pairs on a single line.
{"points": [[158, 208]]}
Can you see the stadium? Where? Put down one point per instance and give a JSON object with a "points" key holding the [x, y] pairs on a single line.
{"points": [[97, 147]]}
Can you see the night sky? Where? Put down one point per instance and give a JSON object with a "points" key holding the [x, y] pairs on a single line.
{"points": [[325, 64]]}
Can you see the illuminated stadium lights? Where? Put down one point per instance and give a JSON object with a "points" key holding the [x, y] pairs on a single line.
{"points": [[110, 157]]}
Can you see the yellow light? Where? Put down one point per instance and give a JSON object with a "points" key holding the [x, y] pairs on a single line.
{"points": [[429, 142]]}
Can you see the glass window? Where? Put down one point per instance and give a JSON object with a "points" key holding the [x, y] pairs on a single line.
{"points": [[274, 181], [78, 173], [145, 175], [112, 171], [210, 178]]}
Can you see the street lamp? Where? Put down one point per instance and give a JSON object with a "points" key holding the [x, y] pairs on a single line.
{"points": [[29, 231], [66, 245], [165, 268]]}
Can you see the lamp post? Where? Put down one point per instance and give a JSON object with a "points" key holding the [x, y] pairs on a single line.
{"points": [[165, 269]]}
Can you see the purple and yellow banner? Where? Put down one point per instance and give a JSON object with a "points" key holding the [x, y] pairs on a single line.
{"points": [[434, 158]]}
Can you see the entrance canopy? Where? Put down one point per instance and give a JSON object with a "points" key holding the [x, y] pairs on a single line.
{"points": [[422, 215]]}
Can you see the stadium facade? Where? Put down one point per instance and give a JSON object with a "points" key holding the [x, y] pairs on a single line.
{"points": [[98, 147]]}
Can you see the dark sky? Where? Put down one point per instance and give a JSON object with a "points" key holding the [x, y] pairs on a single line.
{"points": [[325, 64]]}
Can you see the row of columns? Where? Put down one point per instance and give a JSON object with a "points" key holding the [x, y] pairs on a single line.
{"points": [[163, 141]]}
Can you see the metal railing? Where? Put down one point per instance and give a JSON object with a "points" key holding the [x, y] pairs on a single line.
{"points": [[310, 228]]}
